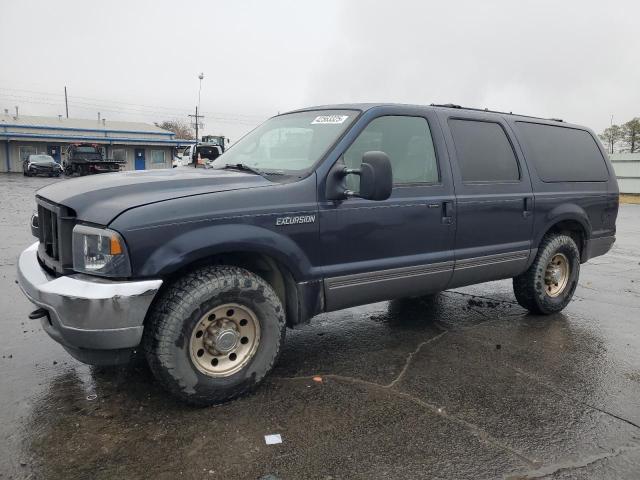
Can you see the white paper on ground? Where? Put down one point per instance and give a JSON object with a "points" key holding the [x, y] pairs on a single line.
{"points": [[272, 439]]}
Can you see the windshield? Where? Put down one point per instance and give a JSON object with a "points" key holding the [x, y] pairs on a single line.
{"points": [[40, 159], [86, 150], [289, 144]]}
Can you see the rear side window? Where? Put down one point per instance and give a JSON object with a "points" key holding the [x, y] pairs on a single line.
{"points": [[562, 154], [484, 152]]}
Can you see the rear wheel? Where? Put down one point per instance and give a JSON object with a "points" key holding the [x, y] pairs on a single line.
{"points": [[549, 283], [214, 334]]}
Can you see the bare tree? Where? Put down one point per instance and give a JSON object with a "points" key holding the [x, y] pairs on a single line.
{"points": [[611, 136], [631, 135], [181, 129]]}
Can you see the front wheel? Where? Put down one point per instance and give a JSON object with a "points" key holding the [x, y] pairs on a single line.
{"points": [[214, 334], [549, 283]]}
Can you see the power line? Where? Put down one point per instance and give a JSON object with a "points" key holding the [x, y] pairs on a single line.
{"points": [[129, 111], [102, 101]]}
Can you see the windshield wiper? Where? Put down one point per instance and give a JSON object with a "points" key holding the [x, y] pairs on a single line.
{"points": [[243, 167]]}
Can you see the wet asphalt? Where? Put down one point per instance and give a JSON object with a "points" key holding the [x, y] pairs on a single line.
{"points": [[465, 384]]}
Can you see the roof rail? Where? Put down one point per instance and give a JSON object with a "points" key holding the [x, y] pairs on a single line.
{"points": [[459, 107], [446, 105]]}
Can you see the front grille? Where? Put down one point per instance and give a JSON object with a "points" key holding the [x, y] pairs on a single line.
{"points": [[48, 229], [55, 226]]}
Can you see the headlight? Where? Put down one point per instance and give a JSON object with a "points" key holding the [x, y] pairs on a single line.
{"points": [[99, 251]]}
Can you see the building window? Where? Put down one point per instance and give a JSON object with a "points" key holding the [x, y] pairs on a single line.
{"points": [[157, 156], [26, 151], [119, 154]]}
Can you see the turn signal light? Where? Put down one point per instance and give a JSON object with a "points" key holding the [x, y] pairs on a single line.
{"points": [[116, 248]]}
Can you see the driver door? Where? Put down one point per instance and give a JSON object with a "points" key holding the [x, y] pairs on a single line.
{"points": [[402, 246]]}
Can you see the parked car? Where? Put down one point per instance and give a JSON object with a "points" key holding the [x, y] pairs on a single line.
{"points": [[316, 210], [41, 164]]}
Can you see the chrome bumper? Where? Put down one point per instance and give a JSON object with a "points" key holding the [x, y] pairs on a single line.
{"points": [[85, 312]]}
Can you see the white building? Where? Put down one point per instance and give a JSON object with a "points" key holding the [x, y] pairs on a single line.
{"points": [[141, 145], [627, 167]]}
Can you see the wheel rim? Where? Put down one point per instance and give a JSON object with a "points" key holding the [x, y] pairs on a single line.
{"points": [[224, 340], [556, 275]]}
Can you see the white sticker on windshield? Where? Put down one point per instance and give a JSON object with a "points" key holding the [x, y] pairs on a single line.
{"points": [[330, 119]]}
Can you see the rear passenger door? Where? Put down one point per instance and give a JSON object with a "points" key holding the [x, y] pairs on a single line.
{"points": [[494, 200]]}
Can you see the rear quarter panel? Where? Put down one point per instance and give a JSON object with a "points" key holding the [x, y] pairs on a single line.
{"points": [[593, 204]]}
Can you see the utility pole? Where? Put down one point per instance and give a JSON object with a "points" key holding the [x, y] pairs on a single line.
{"points": [[197, 122], [197, 118], [66, 103]]}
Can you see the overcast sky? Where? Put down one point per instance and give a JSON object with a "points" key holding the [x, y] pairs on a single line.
{"points": [[139, 60]]}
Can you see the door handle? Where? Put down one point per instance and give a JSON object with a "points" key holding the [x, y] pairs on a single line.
{"points": [[527, 206], [447, 212]]}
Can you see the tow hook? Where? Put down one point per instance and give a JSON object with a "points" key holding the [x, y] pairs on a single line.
{"points": [[39, 313]]}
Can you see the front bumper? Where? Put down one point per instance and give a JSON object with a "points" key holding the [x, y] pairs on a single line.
{"points": [[89, 316], [45, 170]]}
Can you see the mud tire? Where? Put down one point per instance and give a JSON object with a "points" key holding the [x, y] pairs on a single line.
{"points": [[179, 309], [529, 287]]}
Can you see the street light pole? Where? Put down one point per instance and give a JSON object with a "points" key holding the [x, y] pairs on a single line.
{"points": [[200, 77], [197, 116]]}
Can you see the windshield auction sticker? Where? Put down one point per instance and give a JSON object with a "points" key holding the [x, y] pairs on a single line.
{"points": [[330, 119]]}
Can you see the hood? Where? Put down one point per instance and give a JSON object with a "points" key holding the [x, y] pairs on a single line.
{"points": [[100, 198]]}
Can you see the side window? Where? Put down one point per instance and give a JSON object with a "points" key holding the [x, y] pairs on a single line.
{"points": [[408, 143], [562, 154], [483, 151]]}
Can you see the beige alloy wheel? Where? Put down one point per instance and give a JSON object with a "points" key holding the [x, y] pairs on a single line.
{"points": [[556, 275], [224, 340]]}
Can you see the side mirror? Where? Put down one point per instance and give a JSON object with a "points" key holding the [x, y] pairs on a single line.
{"points": [[376, 178]]}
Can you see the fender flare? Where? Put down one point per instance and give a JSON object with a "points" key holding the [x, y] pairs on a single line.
{"points": [[564, 212], [201, 243]]}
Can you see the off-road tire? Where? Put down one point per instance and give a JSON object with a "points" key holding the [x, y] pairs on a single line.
{"points": [[529, 287], [181, 306]]}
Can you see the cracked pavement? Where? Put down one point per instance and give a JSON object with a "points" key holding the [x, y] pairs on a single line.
{"points": [[465, 384]]}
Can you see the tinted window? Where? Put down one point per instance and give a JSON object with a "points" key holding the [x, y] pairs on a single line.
{"points": [[484, 152], [562, 154], [406, 140]]}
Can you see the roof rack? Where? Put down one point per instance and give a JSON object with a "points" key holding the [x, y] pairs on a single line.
{"points": [[459, 107]]}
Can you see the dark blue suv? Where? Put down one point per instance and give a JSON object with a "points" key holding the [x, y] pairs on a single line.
{"points": [[316, 210]]}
